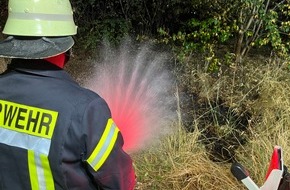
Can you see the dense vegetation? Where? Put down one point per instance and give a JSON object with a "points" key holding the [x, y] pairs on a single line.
{"points": [[191, 25]]}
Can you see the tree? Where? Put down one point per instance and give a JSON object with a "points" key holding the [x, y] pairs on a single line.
{"points": [[258, 23]]}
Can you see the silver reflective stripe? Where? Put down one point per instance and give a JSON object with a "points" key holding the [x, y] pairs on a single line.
{"points": [[40, 172], [40, 16], [12, 138], [106, 145]]}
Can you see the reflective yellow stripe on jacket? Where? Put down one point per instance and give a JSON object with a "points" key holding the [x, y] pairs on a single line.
{"points": [[39, 171], [105, 146]]}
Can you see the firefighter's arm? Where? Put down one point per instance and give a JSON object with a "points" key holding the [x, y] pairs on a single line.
{"points": [[109, 166]]}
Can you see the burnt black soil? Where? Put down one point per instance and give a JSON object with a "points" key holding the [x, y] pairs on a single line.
{"points": [[223, 129]]}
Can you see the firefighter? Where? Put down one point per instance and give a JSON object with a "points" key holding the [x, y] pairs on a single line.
{"points": [[54, 134]]}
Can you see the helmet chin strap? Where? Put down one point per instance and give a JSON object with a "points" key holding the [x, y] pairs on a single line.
{"points": [[58, 60]]}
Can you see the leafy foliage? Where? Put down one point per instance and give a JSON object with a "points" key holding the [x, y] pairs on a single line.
{"points": [[190, 26], [3, 15], [113, 19], [258, 23]]}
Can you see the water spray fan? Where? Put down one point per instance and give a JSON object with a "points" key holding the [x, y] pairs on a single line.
{"points": [[277, 176], [139, 91]]}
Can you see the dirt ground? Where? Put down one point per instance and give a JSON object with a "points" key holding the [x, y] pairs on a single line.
{"points": [[3, 64]]}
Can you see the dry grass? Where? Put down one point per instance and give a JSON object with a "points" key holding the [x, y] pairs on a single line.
{"points": [[273, 127], [181, 162]]}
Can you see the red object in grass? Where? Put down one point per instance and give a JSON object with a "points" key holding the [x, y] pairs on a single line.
{"points": [[276, 161]]}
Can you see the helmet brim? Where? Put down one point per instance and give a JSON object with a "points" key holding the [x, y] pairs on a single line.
{"points": [[34, 47]]}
